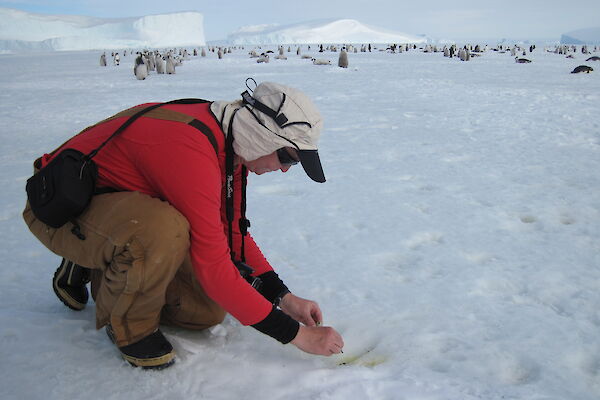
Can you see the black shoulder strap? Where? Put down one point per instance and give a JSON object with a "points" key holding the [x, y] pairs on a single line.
{"points": [[132, 119], [229, 161], [229, 184], [244, 222], [201, 126]]}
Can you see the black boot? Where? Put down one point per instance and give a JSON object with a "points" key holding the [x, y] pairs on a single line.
{"points": [[69, 284], [152, 352]]}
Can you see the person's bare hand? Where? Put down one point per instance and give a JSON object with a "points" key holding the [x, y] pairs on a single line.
{"points": [[319, 340], [304, 311]]}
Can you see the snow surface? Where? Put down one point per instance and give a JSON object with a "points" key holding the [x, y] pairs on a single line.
{"points": [[20, 31], [455, 244], [322, 31], [582, 36]]}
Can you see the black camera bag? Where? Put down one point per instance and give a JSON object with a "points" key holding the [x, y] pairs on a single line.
{"points": [[61, 190]]}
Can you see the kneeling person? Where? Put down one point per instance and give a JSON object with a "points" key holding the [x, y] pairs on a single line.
{"points": [[163, 240]]}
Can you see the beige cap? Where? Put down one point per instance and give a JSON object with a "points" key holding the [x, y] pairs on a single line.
{"points": [[276, 116]]}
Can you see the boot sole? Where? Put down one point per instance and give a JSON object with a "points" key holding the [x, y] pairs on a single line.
{"points": [[156, 363], [62, 295], [151, 363]]}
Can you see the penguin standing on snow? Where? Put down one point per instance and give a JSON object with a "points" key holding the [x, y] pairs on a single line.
{"points": [[170, 68], [160, 64], [281, 55], [103, 60], [343, 59], [140, 69], [151, 62]]}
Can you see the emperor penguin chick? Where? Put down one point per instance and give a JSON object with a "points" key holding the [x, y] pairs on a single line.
{"points": [[170, 68], [160, 64], [140, 70], [343, 59], [320, 61]]}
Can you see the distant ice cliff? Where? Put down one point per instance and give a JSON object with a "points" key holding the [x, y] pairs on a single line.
{"points": [[22, 31]]}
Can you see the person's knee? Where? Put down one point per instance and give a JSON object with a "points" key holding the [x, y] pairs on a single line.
{"points": [[217, 317]]}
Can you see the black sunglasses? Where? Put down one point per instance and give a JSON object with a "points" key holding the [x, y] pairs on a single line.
{"points": [[285, 157]]}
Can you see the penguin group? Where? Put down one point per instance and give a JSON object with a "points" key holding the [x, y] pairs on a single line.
{"points": [[115, 57], [517, 52], [464, 53], [263, 56], [166, 62], [148, 61], [220, 51]]}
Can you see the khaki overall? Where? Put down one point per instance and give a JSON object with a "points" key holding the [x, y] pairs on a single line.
{"points": [[138, 249]]}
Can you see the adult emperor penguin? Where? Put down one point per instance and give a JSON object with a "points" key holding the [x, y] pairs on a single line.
{"points": [[140, 70], [581, 69], [522, 60]]}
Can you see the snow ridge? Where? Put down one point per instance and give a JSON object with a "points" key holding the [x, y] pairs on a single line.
{"points": [[320, 31]]}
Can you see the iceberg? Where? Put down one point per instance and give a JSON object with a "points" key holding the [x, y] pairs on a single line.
{"points": [[24, 31], [582, 36]]}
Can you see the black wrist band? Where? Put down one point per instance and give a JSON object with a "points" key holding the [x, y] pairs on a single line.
{"points": [[280, 296], [279, 326], [271, 286]]}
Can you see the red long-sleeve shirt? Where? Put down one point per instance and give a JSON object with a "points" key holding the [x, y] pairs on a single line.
{"points": [[176, 163]]}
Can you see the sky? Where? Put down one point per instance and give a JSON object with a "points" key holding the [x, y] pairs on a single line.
{"points": [[459, 19]]}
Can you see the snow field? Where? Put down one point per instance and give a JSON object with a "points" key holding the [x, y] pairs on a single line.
{"points": [[454, 246]]}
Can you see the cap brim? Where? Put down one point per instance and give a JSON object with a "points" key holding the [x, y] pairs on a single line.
{"points": [[312, 165]]}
